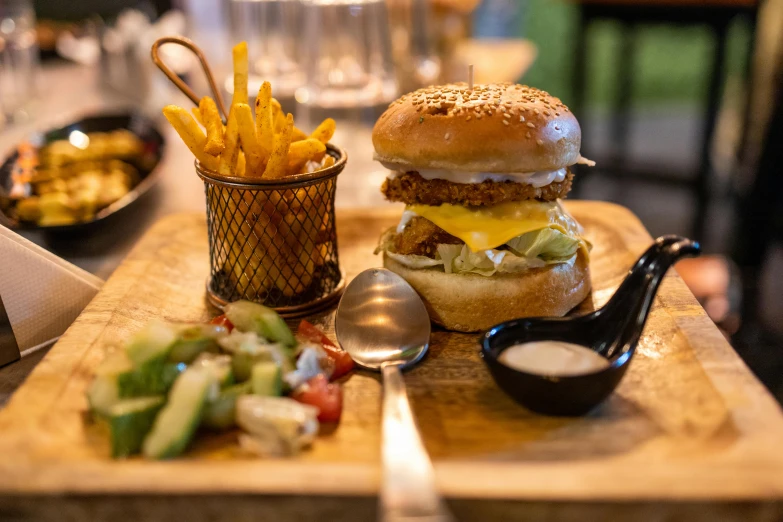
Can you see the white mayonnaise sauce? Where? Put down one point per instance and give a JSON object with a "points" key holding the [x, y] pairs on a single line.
{"points": [[555, 358], [536, 179], [405, 219]]}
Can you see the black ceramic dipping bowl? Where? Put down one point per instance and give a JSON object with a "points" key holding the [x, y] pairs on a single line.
{"points": [[613, 332]]}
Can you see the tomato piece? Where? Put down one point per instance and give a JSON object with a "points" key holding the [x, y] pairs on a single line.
{"points": [[343, 363], [326, 396], [307, 331], [222, 320]]}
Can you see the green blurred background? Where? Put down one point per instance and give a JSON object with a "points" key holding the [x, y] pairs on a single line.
{"points": [[670, 67]]}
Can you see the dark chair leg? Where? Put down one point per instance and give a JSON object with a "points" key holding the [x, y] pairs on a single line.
{"points": [[622, 109], [759, 208], [749, 88], [710, 117]]}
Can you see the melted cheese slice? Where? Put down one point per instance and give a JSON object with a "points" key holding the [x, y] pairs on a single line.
{"points": [[482, 228]]}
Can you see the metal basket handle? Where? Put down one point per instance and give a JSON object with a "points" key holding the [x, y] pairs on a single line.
{"points": [[176, 80]]}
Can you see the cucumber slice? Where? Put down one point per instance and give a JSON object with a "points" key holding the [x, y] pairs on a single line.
{"points": [[248, 349], [177, 421], [267, 379], [154, 377], [242, 363], [220, 414], [116, 378], [129, 421], [152, 342], [219, 364], [253, 317], [103, 393], [195, 339]]}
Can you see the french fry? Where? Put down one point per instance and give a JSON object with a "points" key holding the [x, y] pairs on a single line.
{"points": [[241, 164], [298, 135], [228, 158], [197, 114], [278, 116], [327, 162], [191, 134], [300, 152], [210, 118], [324, 131], [247, 137], [265, 129], [277, 165], [240, 73]]}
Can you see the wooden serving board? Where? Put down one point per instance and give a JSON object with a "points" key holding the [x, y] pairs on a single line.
{"points": [[689, 433]]}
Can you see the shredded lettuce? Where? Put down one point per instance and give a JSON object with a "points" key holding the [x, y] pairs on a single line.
{"points": [[531, 250], [547, 244]]}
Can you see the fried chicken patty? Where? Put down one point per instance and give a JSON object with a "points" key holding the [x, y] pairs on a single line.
{"points": [[410, 188], [422, 237]]}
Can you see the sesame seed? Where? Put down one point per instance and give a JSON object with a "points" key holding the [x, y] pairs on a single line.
{"points": [[447, 136], [521, 118], [530, 124], [540, 142], [506, 115], [505, 122], [527, 135], [468, 118], [536, 111]]}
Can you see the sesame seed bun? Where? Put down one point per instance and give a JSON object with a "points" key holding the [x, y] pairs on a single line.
{"points": [[492, 128], [472, 302]]}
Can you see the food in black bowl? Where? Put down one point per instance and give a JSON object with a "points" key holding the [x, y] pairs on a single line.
{"points": [[79, 174]]}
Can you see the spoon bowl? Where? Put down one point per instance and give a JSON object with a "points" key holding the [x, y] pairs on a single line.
{"points": [[612, 331], [381, 319]]}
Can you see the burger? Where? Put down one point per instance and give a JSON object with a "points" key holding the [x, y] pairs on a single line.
{"points": [[484, 237]]}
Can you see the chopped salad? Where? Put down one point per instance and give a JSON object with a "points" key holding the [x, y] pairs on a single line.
{"points": [[245, 370]]}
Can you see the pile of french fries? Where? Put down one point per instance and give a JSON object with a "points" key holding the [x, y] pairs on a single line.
{"points": [[266, 145], [277, 244]]}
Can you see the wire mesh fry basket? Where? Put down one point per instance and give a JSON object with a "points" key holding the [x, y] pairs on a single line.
{"points": [[274, 242]]}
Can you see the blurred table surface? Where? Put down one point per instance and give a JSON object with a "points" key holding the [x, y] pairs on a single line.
{"points": [[69, 92]]}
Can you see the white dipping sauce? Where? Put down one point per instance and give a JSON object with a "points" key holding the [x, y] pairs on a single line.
{"points": [[554, 358]]}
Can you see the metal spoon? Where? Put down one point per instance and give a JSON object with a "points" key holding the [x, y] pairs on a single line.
{"points": [[383, 325]]}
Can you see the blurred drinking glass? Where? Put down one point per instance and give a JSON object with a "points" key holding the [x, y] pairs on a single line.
{"points": [[18, 59], [271, 29], [413, 43], [347, 56]]}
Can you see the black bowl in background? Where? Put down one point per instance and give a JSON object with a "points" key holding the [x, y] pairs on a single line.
{"points": [[140, 125]]}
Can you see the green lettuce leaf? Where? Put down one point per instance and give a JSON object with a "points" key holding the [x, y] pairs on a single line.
{"points": [[547, 244], [531, 250]]}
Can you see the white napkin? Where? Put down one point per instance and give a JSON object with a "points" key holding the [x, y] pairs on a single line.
{"points": [[42, 293]]}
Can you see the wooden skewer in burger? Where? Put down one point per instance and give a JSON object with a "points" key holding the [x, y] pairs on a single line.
{"points": [[481, 169]]}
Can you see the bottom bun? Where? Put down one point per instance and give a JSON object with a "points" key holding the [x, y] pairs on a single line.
{"points": [[472, 302]]}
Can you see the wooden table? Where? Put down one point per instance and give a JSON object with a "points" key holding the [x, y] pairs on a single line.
{"points": [[690, 434]]}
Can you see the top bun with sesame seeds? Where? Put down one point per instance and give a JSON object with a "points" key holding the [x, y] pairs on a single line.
{"points": [[491, 128]]}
